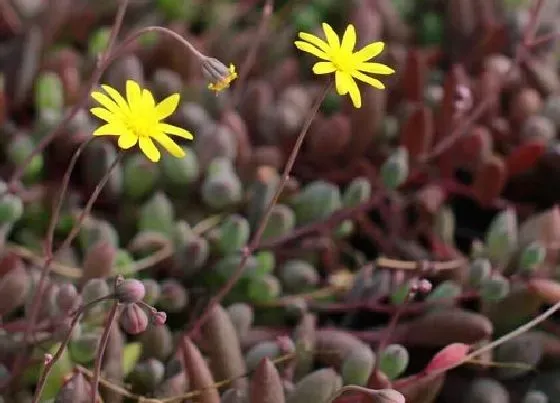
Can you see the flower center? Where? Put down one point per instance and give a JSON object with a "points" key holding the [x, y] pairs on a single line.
{"points": [[342, 60], [141, 125]]}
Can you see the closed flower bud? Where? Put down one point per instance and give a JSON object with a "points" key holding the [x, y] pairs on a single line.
{"points": [[133, 319], [130, 291], [159, 318], [67, 298]]}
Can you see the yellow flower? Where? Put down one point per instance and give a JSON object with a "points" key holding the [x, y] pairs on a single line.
{"points": [[137, 119], [218, 74], [340, 58]]}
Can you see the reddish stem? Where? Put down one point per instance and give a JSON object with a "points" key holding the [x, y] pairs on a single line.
{"points": [[253, 245]]}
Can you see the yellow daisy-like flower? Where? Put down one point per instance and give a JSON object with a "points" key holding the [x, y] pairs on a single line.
{"points": [[137, 119], [339, 58]]}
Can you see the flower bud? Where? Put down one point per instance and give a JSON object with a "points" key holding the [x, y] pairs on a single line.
{"points": [[133, 319], [159, 318], [130, 291], [217, 73]]}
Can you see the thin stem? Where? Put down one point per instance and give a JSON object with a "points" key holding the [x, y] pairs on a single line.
{"points": [[48, 367], [58, 206], [45, 270], [101, 351], [96, 75], [89, 205], [390, 330], [253, 245], [252, 54]]}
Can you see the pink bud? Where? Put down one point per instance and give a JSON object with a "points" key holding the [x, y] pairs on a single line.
{"points": [[160, 318], [133, 319], [130, 291]]}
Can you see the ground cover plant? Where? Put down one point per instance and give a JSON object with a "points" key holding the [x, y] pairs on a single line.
{"points": [[279, 201]]}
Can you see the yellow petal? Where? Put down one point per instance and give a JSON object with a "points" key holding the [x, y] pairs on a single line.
{"points": [[375, 68], [118, 98], [354, 92], [127, 140], [104, 114], [349, 39], [315, 40], [323, 68], [148, 99], [309, 48], [171, 147], [109, 129], [105, 101], [134, 96], [367, 79], [166, 107], [149, 149], [341, 82], [332, 37], [177, 131], [369, 51]]}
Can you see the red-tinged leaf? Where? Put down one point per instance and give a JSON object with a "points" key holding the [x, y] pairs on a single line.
{"points": [[490, 180], [548, 290], [414, 76], [450, 355], [474, 146], [524, 157], [453, 79], [418, 131], [430, 198]]}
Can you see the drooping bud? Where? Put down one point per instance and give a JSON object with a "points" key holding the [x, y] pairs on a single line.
{"points": [[133, 319]]}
